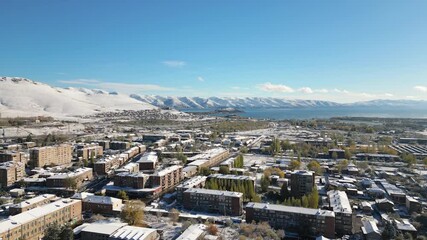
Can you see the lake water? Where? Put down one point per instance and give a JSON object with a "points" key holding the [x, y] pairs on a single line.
{"points": [[327, 112]]}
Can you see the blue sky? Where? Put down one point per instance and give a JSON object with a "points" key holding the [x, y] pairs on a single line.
{"points": [[332, 50]]}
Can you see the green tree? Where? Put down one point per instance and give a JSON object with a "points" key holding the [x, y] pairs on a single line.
{"points": [[315, 166], [224, 170], [275, 147], [238, 162], [133, 213], [205, 171], [335, 155], [389, 231], [265, 183], [66, 233], [409, 159], [52, 232], [122, 195], [313, 198], [70, 183], [294, 165], [284, 192]]}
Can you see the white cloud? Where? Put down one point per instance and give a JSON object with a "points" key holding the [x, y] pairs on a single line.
{"points": [[323, 90], [305, 90], [421, 88], [174, 63], [82, 81], [200, 79], [269, 87]]}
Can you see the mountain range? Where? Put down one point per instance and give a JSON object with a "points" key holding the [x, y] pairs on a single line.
{"points": [[24, 97]]}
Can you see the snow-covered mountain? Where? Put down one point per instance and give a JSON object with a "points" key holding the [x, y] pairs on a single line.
{"points": [[24, 97], [220, 102]]}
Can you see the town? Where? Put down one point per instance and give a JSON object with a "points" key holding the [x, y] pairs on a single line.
{"points": [[214, 178]]}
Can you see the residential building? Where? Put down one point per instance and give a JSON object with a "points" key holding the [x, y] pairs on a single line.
{"points": [[52, 155], [88, 151], [103, 205], [10, 173], [195, 182], [344, 217], [302, 183], [385, 205], [167, 178], [108, 164], [223, 202], [370, 230], [13, 156], [313, 222], [210, 157], [118, 145], [413, 205], [148, 161], [30, 225], [133, 180], [62, 180], [31, 203]]}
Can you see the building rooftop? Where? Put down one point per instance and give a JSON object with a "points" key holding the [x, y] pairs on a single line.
{"points": [[103, 228], [339, 202], [303, 172], [35, 213], [207, 154], [214, 192], [370, 227], [148, 157], [192, 182], [234, 177], [33, 200], [167, 170], [75, 173], [193, 232], [297, 210], [132, 233]]}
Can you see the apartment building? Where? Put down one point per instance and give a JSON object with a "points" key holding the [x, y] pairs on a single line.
{"points": [[167, 178], [210, 157], [30, 225], [148, 161], [413, 205], [344, 217], [13, 156], [132, 180], [88, 151], [107, 164], [302, 183], [52, 155], [195, 182], [10, 173], [118, 145], [63, 179], [223, 202], [31, 203], [103, 205], [313, 222]]}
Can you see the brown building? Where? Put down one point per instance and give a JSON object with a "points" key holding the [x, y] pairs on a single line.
{"points": [[302, 183], [30, 225], [313, 222], [167, 178], [195, 182], [148, 161], [10, 173], [210, 157], [107, 165], [344, 217], [63, 179], [31, 203], [13, 156], [103, 205], [223, 202], [413, 205], [133, 180], [88, 151], [118, 145], [53, 155]]}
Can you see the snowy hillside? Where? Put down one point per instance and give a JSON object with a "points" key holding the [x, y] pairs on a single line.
{"points": [[219, 102], [23, 97]]}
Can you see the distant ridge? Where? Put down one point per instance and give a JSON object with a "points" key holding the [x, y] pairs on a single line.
{"points": [[24, 97]]}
